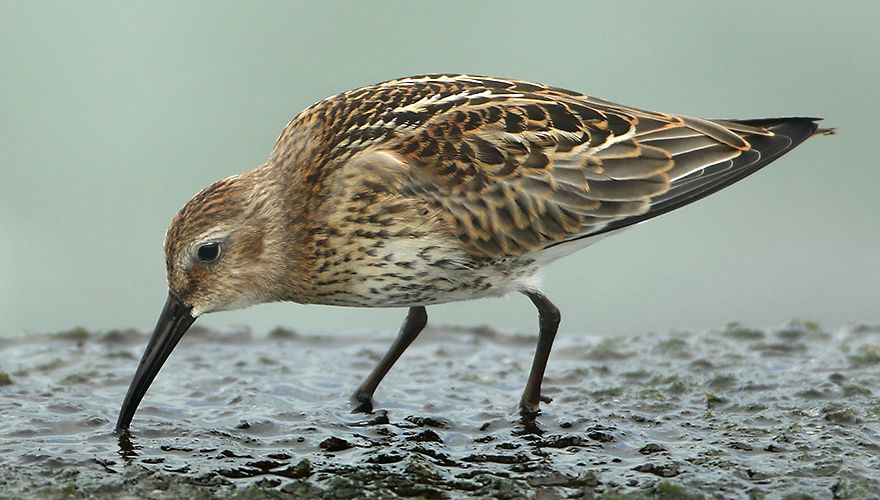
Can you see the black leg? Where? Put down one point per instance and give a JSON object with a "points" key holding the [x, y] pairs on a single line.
{"points": [[548, 321], [415, 321]]}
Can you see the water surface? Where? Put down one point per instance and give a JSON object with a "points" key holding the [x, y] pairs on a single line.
{"points": [[723, 414]]}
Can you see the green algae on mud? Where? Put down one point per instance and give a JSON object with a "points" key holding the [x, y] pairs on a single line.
{"points": [[742, 411]]}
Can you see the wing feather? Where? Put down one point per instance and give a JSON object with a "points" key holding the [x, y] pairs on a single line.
{"points": [[517, 166]]}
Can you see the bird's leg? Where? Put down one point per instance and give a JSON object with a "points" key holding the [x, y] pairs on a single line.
{"points": [[415, 321], [548, 321]]}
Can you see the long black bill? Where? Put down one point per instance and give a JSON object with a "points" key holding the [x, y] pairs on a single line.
{"points": [[175, 319]]}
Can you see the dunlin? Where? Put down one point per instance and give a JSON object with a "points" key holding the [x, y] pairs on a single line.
{"points": [[435, 189]]}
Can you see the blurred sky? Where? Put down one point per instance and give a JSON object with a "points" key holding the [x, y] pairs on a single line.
{"points": [[113, 114]]}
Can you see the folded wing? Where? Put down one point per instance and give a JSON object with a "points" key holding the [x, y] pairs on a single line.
{"points": [[517, 167]]}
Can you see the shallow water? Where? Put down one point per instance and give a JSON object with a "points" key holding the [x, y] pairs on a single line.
{"points": [[730, 413]]}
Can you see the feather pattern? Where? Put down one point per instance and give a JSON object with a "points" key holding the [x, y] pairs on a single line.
{"points": [[515, 166]]}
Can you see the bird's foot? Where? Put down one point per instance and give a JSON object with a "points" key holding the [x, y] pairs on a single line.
{"points": [[531, 409], [362, 403]]}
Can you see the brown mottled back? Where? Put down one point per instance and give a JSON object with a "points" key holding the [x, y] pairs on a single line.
{"points": [[514, 166]]}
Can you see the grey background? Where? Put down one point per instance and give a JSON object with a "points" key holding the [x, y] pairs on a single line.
{"points": [[113, 114]]}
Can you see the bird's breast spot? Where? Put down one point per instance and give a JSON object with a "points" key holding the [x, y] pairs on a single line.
{"points": [[419, 272]]}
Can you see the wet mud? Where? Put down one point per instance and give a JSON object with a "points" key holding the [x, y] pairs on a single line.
{"points": [[733, 413]]}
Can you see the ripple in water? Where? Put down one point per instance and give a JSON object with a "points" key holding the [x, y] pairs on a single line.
{"points": [[734, 412]]}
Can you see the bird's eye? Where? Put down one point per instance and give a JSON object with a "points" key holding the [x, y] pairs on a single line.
{"points": [[209, 252]]}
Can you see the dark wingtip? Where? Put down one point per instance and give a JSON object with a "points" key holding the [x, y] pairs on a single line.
{"points": [[817, 130], [777, 124], [787, 133]]}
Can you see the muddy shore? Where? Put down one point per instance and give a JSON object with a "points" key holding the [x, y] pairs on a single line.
{"points": [[736, 412]]}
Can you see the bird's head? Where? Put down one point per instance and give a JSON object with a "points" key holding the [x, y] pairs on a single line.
{"points": [[223, 250]]}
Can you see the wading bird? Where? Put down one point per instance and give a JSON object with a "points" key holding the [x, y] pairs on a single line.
{"points": [[439, 188]]}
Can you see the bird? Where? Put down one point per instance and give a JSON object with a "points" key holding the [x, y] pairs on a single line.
{"points": [[440, 188]]}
